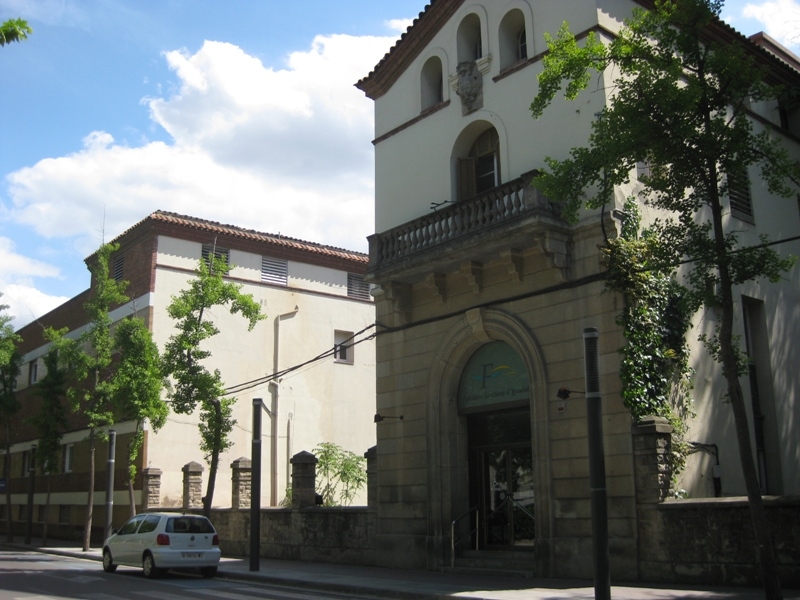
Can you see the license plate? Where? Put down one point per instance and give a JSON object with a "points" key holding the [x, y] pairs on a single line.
{"points": [[192, 554]]}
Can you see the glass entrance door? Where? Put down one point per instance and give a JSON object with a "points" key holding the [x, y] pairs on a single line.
{"points": [[495, 397], [507, 501]]}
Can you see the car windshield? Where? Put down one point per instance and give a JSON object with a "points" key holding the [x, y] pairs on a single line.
{"points": [[189, 524]]}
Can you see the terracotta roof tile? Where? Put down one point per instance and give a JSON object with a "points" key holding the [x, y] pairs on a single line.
{"points": [[249, 234]]}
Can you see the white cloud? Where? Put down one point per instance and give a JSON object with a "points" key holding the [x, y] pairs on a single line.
{"points": [[26, 303], [283, 150], [17, 273], [399, 25], [16, 265], [780, 18]]}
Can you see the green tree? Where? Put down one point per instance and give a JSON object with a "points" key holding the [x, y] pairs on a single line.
{"points": [[136, 388], [89, 358], [50, 424], [341, 474], [10, 364], [14, 30], [679, 101], [194, 385]]}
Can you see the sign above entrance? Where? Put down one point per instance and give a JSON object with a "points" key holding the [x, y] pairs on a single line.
{"points": [[494, 377]]}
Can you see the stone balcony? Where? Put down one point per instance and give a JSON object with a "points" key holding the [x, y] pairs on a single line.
{"points": [[511, 216]]}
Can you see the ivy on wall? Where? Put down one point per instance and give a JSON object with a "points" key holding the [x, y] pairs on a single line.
{"points": [[655, 371]]}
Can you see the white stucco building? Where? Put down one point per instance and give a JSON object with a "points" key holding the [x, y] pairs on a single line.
{"points": [[316, 301]]}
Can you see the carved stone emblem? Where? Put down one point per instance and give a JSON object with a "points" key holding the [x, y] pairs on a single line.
{"points": [[470, 86]]}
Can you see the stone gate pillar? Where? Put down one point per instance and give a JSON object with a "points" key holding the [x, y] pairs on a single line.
{"points": [[241, 476], [192, 485], [151, 488], [304, 474], [652, 444]]}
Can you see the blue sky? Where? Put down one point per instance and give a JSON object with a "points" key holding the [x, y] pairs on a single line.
{"points": [[241, 111]]}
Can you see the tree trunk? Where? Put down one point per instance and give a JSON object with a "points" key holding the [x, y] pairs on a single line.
{"points": [[131, 501], [766, 551], [212, 468], [87, 528], [7, 475], [730, 369], [46, 510]]}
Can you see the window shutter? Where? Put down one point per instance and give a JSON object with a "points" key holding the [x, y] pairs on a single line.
{"points": [[466, 178], [274, 270]]}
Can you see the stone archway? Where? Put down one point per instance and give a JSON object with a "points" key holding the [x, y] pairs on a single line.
{"points": [[448, 463]]}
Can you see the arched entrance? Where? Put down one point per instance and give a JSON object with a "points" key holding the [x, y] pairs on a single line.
{"points": [[462, 442], [494, 397]]}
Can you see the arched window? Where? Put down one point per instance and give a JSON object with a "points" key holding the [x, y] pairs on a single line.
{"points": [[480, 170], [431, 90], [513, 39], [470, 44]]}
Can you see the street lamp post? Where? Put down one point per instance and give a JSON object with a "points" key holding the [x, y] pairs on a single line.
{"points": [[597, 467], [255, 487], [31, 488]]}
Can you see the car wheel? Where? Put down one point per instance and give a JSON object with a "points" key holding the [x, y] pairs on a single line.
{"points": [[208, 572], [149, 567], [108, 563]]}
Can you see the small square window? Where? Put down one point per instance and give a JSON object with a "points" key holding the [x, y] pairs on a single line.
{"points": [[26, 463], [343, 348], [69, 450]]}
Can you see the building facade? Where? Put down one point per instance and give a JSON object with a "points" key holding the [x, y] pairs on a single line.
{"points": [[316, 302], [483, 293]]}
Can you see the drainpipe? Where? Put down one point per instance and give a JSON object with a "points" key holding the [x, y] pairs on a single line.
{"points": [[289, 451], [273, 412], [273, 447]]}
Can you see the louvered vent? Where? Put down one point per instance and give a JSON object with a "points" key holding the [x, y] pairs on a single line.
{"points": [[219, 253], [119, 264], [739, 193], [357, 287], [274, 270]]}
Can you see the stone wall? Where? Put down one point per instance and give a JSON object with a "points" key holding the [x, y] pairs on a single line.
{"points": [[705, 541], [711, 541], [318, 534]]}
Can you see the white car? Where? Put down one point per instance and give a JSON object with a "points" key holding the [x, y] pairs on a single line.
{"points": [[161, 541]]}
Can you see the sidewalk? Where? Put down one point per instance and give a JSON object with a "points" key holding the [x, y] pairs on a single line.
{"points": [[423, 585]]}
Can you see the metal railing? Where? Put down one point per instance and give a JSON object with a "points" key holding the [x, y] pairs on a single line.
{"points": [[454, 542]]}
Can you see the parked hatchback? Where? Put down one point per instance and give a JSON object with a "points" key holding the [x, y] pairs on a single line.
{"points": [[161, 541]]}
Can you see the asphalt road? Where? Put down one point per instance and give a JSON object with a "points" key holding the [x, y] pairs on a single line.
{"points": [[35, 576]]}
